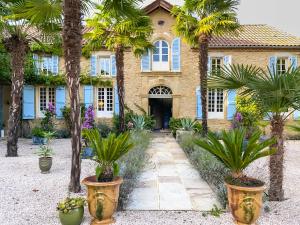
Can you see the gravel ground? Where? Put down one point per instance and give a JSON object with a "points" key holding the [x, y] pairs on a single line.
{"points": [[28, 197]]}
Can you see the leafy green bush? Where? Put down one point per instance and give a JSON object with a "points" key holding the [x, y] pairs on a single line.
{"points": [[132, 164], [185, 124], [66, 112], [104, 129], [209, 168], [38, 132], [174, 125]]}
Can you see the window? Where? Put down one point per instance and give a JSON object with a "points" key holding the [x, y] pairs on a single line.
{"points": [[281, 65], [104, 66], [160, 56], [46, 95], [215, 97], [105, 102], [47, 64]]}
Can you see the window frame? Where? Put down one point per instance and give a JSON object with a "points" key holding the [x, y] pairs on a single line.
{"points": [[105, 113], [286, 65], [98, 65], [161, 65], [40, 111]]}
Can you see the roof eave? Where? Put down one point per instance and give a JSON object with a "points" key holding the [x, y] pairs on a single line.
{"points": [[158, 4]]}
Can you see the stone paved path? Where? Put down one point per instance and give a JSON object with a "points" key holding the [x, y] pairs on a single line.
{"points": [[169, 182]]}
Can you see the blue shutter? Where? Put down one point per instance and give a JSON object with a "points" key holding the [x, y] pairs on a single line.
{"points": [[272, 64], [28, 102], [297, 115], [88, 95], [93, 65], [113, 65], [55, 64], [231, 106], [293, 62], [116, 100], [175, 64], [208, 66], [227, 60], [60, 100], [36, 63], [145, 62], [199, 104]]}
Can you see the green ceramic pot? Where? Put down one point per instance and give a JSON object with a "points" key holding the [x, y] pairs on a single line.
{"points": [[74, 217], [45, 164]]}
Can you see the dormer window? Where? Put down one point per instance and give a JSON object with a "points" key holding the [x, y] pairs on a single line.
{"points": [[160, 57]]}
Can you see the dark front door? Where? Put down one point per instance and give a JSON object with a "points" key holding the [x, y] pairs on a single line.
{"points": [[161, 110]]}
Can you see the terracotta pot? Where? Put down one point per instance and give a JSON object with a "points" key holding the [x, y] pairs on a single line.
{"points": [[45, 164], [73, 217], [245, 203], [102, 198]]}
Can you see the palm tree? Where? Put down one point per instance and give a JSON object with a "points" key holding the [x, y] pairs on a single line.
{"points": [[17, 32], [197, 21], [278, 95], [117, 33]]}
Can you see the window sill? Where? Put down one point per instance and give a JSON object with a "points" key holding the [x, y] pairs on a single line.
{"points": [[161, 73]]}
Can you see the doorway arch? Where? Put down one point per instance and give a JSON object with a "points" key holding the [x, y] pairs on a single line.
{"points": [[160, 105]]}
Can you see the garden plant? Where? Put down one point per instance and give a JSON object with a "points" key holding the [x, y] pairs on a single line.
{"points": [[71, 210]]}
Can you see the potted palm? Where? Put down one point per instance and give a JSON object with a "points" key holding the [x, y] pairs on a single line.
{"points": [[103, 188], [71, 211], [244, 193]]}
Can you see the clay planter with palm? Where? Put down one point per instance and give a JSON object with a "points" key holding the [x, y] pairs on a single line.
{"points": [[103, 188], [244, 193]]}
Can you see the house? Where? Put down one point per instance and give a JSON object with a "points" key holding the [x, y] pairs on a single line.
{"points": [[165, 81]]}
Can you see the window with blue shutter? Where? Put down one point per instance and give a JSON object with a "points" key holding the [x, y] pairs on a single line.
{"points": [[93, 65], [55, 64], [231, 104], [199, 104], [88, 95], [146, 62], [113, 65], [272, 64], [116, 101], [60, 100], [28, 102], [175, 63]]}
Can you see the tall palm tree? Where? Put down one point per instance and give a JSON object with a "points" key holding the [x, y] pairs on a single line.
{"points": [[278, 95], [197, 21], [117, 33], [16, 33]]}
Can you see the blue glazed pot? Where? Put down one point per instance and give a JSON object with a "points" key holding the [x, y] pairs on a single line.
{"points": [[39, 140], [87, 152]]}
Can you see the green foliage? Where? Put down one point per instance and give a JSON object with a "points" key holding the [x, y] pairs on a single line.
{"points": [[187, 124], [104, 129], [66, 112], [132, 164], [38, 132], [114, 31], [234, 152], [69, 204], [138, 122], [44, 151], [209, 168], [55, 47], [201, 17], [174, 124], [86, 79], [107, 152]]}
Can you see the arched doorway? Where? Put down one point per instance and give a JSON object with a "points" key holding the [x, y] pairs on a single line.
{"points": [[160, 106]]}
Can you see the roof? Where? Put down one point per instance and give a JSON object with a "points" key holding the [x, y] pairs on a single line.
{"points": [[162, 4], [256, 35]]}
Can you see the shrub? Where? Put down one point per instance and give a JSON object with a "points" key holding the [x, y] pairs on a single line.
{"points": [[63, 133], [132, 164], [174, 125], [66, 112], [104, 129], [37, 132], [187, 124], [47, 122], [209, 168]]}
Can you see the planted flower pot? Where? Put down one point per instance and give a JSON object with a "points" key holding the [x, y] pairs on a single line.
{"points": [[72, 217], [87, 152], [245, 203], [102, 198], [45, 164]]}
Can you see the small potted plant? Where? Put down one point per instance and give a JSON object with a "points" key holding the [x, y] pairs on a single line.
{"points": [[71, 210], [103, 188], [38, 136], [88, 123], [244, 193], [45, 154]]}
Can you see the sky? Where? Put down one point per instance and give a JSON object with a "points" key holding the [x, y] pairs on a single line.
{"points": [[284, 15]]}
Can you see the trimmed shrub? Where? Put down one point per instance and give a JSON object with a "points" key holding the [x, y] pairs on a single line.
{"points": [[209, 168], [104, 129], [132, 164]]}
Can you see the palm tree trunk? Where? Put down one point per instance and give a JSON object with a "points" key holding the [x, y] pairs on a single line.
{"points": [[203, 60], [120, 84], [276, 192], [17, 48], [72, 37]]}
